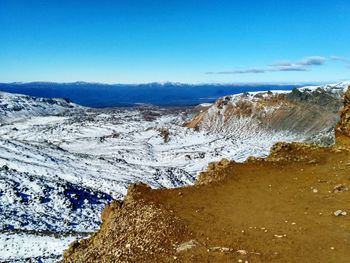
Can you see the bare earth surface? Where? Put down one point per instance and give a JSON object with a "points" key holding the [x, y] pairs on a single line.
{"points": [[276, 211]]}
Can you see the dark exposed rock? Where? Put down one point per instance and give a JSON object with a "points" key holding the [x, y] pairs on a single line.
{"points": [[343, 126]]}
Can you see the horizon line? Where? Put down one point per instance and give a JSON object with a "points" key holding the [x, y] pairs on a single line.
{"points": [[182, 83]]}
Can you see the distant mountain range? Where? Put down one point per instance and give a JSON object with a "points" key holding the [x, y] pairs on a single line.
{"points": [[116, 95]]}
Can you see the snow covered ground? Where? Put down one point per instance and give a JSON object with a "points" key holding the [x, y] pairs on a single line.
{"points": [[61, 164], [32, 248]]}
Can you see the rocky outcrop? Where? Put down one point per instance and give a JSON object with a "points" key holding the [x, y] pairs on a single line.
{"points": [[294, 152], [214, 173], [343, 126], [132, 231]]}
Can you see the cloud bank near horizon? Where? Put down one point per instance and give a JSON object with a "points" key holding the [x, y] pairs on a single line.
{"points": [[285, 65]]}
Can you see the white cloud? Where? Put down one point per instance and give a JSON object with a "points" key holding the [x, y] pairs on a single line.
{"points": [[285, 65]]}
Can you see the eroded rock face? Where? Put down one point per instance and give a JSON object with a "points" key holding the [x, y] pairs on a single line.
{"points": [[343, 126], [312, 112]]}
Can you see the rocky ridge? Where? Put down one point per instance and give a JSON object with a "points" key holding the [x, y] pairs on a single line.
{"points": [[312, 111]]}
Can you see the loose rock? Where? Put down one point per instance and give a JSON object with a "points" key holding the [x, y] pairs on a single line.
{"points": [[339, 188], [340, 213]]}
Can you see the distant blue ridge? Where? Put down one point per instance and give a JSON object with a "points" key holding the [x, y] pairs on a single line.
{"points": [[124, 95]]}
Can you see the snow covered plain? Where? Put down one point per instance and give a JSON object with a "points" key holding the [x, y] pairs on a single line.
{"points": [[61, 163]]}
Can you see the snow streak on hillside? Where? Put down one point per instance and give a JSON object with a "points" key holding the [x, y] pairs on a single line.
{"points": [[61, 163]]}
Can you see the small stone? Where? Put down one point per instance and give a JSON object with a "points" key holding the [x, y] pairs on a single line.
{"points": [[340, 213], [186, 246], [339, 188], [242, 252], [315, 190]]}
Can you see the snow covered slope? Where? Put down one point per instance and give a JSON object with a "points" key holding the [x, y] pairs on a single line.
{"points": [[61, 163], [310, 111], [14, 106], [336, 88]]}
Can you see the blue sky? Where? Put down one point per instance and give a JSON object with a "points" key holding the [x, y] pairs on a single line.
{"points": [[186, 41]]}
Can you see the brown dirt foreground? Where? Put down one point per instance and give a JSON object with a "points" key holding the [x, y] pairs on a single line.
{"points": [[290, 207]]}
